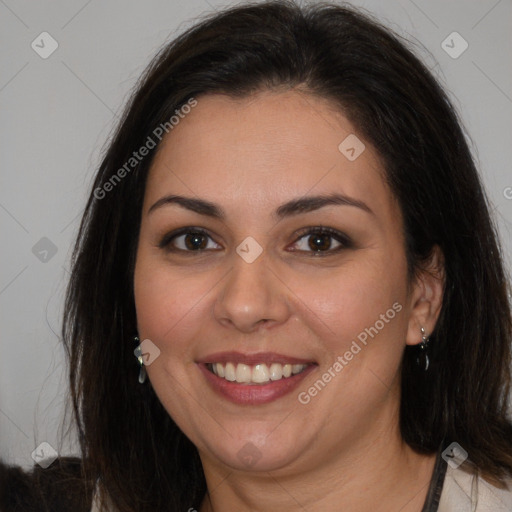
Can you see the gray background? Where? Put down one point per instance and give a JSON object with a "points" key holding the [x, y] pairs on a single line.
{"points": [[57, 114]]}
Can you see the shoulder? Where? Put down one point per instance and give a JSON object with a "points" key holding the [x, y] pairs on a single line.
{"points": [[58, 487], [465, 490]]}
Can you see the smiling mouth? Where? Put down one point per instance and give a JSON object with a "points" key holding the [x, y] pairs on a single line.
{"points": [[255, 374]]}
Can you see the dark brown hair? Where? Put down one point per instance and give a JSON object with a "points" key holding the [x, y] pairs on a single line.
{"points": [[128, 440]]}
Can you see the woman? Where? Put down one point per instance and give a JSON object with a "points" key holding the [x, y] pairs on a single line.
{"points": [[280, 234]]}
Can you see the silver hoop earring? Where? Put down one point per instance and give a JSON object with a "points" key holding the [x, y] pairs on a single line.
{"points": [[138, 355]]}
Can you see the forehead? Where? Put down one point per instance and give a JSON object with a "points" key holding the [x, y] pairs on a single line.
{"points": [[265, 149]]}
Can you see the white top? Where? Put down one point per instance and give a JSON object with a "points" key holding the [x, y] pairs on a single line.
{"points": [[466, 492], [462, 492]]}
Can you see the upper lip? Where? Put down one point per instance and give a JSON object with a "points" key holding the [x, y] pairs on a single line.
{"points": [[252, 359]]}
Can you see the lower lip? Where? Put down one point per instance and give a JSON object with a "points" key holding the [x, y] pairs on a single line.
{"points": [[254, 394]]}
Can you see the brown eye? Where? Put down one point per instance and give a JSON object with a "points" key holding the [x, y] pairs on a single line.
{"points": [[319, 242], [188, 240], [322, 240], [194, 241]]}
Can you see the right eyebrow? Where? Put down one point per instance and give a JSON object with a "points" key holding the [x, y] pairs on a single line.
{"points": [[190, 203]]}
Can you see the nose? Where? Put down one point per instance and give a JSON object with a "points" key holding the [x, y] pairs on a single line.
{"points": [[251, 296]]}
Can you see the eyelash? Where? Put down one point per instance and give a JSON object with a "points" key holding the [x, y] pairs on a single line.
{"points": [[341, 238]]}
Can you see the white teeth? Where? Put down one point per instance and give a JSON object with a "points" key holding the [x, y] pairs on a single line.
{"points": [[296, 368], [260, 373], [257, 374], [220, 370], [229, 372], [276, 371], [243, 373]]}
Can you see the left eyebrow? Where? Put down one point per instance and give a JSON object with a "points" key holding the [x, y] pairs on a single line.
{"points": [[311, 203], [293, 207]]}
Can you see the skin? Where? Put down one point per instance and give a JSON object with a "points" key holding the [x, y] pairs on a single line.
{"points": [[249, 156]]}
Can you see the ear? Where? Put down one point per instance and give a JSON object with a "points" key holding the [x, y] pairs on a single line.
{"points": [[426, 297]]}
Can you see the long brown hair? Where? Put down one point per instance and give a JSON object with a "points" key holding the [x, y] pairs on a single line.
{"points": [[129, 442]]}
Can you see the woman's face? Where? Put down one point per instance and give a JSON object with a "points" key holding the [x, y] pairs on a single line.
{"points": [[248, 281]]}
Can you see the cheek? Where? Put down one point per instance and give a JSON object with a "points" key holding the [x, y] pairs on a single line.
{"points": [[359, 318], [170, 305], [353, 300], [335, 305], [167, 302]]}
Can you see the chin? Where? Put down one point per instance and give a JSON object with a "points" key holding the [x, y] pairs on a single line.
{"points": [[256, 453]]}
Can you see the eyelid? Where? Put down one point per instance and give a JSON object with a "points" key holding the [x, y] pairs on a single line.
{"points": [[342, 238], [165, 241]]}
